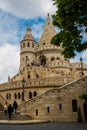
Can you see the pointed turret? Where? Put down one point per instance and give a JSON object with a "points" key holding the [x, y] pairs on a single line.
{"points": [[48, 33], [28, 34], [27, 49]]}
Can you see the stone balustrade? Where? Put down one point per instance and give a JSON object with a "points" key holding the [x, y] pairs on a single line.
{"points": [[47, 47], [40, 82], [77, 84]]}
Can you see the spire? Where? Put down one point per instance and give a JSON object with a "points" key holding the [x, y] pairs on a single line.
{"points": [[28, 34], [28, 30], [48, 18], [48, 32]]}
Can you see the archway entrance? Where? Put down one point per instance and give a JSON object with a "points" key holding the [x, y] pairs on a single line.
{"points": [[85, 110], [42, 60]]}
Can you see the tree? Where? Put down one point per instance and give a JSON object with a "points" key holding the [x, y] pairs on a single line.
{"points": [[71, 19], [79, 118], [84, 97]]}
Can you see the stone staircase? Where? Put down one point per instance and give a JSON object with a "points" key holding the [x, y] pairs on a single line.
{"points": [[14, 116]]}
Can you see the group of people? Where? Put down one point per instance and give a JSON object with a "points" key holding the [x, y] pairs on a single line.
{"points": [[9, 109]]}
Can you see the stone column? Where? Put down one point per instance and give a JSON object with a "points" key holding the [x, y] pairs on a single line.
{"points": [[23, 108]]}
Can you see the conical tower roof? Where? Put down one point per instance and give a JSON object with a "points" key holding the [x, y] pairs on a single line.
{"points": [[48, 33], [28, 34]]}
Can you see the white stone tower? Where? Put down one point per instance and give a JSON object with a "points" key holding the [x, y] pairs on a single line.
{"points": [[27, 50]]}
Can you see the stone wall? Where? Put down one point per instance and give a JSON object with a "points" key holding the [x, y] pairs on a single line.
{"points": [[56, 104]]}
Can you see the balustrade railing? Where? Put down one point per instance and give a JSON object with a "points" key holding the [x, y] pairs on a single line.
{"points": [[40, 82]]}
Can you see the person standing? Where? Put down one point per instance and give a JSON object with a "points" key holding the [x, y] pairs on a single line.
{"points": [[10, 110], [5, 108], [15, 106]]}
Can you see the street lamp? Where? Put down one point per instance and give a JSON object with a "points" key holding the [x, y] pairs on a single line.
{"points": [[81, 60], [23, 84]]}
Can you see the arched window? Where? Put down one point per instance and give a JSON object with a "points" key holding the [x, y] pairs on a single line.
{"points": [[23, 44], [52, 59], [19, 96], [37, 76], [28, 76], [26, 57], [7, 96], [44, 43], [60, 106], [15, 96], [28, 44], [32, 45], [48, 109], [74, 105], [58, 58], [30, 95], [35, 94], [37, 112], [28, 64], [42, 60]]}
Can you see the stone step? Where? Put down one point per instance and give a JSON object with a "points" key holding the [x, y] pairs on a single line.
{"points": [[14, 116], [1, 107]]}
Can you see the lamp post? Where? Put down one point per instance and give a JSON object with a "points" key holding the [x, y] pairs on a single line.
{"points": [[81, 60], [23, 84], [23, 104]]}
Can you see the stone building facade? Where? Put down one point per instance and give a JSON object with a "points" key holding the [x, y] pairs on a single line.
{"points": [[52, 83]]}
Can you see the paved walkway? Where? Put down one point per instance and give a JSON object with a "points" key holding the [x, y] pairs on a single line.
{"points": [[46, 126], [22, 121]]}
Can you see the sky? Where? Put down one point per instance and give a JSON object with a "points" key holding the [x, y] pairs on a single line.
{"points": [[15, 16]]}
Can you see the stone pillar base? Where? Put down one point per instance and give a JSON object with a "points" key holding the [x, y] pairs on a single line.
{"points": [[23, 108]]}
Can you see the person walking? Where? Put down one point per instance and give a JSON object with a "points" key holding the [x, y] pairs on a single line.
{"points": [[5, 108], [15, 106], [10, 110]]}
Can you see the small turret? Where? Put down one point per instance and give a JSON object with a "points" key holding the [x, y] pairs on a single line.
{"points": [[27, 50]]}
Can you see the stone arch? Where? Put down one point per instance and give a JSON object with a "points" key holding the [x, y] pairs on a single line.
{"points": [[9, 96], [28, 44], [30, 95], [19, 95], [6, 96], [28, 76], [74, 105], [15, 95], [32, 45], [23, 44], [35, 93], [52, 58], [42, 60]]}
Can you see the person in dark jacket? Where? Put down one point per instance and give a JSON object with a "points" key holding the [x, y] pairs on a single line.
{"points": [[15, 106], [10, 110]]}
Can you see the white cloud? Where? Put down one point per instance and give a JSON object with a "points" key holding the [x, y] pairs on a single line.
{"points": [[8, 28], [9, 61], [37, 30], [12, 29], [84, 54], [28, 8]]}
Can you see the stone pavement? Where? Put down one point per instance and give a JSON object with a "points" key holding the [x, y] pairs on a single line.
{"points": [[46, 126], [17, 122]]}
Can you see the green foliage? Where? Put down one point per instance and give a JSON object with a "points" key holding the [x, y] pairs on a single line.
{"points": [[71, 18], [84, 97]]}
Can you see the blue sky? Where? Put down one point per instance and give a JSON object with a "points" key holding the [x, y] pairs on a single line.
{"points": [[15, 16]]}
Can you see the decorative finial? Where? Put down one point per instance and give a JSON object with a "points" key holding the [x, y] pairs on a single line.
{"points": [[48, 14], [28, 29]]}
